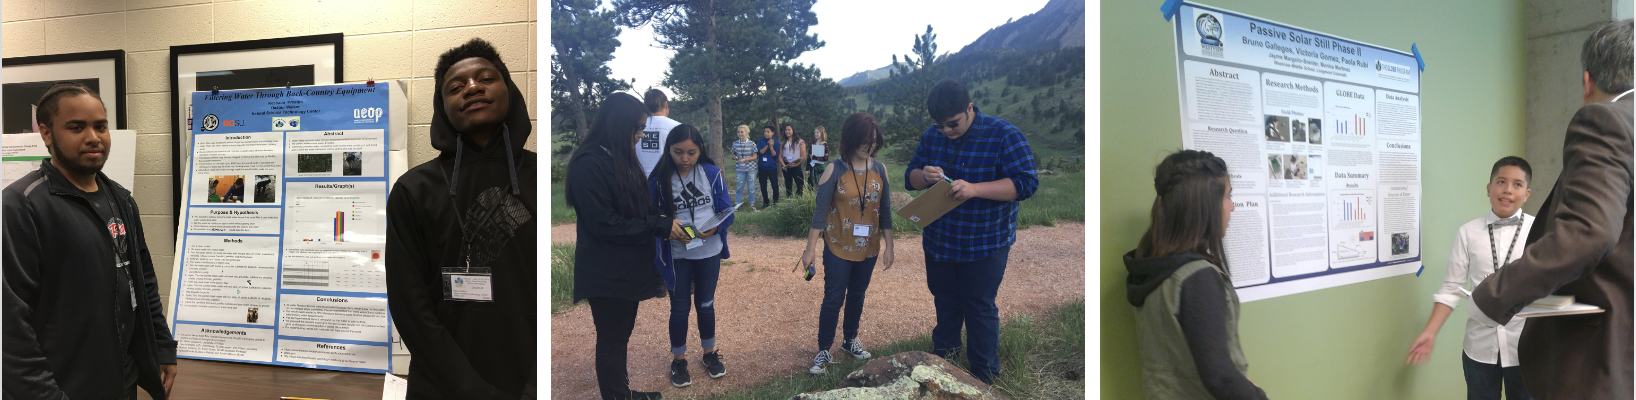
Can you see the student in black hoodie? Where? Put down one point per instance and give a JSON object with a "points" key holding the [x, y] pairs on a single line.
{"points": [[1186, 308], [614, 250], [468, 214]]}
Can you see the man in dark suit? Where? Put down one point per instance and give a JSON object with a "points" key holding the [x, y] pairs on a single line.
{"points": [[1580, 245]]}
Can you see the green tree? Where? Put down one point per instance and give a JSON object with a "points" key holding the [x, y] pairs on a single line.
{"points": [[910, 80], [583, 40], [723, 46]]}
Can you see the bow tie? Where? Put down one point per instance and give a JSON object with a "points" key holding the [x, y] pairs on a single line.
{"points": [[1513, 221]]}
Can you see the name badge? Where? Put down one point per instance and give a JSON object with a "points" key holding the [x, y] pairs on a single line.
{"points": [[860, 230], [470, 287], [468, 284], [695, 243]]}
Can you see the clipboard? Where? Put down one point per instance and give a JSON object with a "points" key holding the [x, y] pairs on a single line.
{"points": [[1532, 312], [930, 206], [717, 220]]}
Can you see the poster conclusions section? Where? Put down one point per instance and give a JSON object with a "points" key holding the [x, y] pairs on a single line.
{"points": [[282, 252], [1321, 135]]}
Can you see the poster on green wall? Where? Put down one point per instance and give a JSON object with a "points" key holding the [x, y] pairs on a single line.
{"points": [[1321, 135]]}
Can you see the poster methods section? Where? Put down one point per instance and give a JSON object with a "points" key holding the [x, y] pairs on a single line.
{"points": [[1321, 136], [282, 257]]}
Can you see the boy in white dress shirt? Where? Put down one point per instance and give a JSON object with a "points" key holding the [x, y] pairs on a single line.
{"points": [[1490, 353]]}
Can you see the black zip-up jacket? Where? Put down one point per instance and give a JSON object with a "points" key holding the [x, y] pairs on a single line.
{"points": [[614, 253], [61, 336], [463, 349]]}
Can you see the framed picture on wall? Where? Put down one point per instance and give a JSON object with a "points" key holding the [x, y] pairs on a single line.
{"points": [[24, 79], [253, 64]]}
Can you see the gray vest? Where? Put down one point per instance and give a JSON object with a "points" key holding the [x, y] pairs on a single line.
{"points": [[1168, 371]]}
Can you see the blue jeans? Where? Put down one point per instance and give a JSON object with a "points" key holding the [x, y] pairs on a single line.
{"points": [[744, 190], [964, 295], [1483, 380], [844, 281], [695, 287]]}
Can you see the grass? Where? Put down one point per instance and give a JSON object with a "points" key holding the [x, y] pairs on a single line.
{"points": [[562, 277], [560, 213], [1039, 359]]}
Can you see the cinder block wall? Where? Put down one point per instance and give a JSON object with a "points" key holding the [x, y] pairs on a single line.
{"points": [[385, 39], [1556, 32]]}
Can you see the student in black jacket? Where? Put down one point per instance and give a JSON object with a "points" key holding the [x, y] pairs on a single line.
{"points": [[614, 250], [74, 327], [469, 215]]}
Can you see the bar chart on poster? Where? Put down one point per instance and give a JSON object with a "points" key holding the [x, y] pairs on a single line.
{"points": [[282, 257], [1321, 135]]}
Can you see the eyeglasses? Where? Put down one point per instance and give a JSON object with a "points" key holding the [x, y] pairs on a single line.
{"points": [[951, 124]]}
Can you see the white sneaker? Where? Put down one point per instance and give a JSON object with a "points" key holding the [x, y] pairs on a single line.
{"points": [[819, 361], [854, 347]]}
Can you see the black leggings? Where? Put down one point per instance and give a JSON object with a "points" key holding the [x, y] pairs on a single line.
{"points": [[794, 182], [614, 319], [765, 175]]}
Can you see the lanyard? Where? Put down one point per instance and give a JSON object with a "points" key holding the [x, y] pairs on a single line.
{"points": [[1622, 95], [1496, 250], [691, 217], [863, 191]]}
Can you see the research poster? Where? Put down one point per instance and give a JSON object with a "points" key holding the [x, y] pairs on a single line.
{"points": [[21, 153], [1321, 135], [284, 229]]}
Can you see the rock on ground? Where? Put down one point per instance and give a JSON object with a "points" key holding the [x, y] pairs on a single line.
{"points": [[908, 375]]}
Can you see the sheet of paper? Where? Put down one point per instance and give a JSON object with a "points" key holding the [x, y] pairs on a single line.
{"points": [[396, 388]]}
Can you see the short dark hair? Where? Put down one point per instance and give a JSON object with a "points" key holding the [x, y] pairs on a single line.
{"points": [[1606, 56], [654, 100], [47, 106], [946, 99], [858, 130], [1513, 161], [770, 128], [476, 47]]}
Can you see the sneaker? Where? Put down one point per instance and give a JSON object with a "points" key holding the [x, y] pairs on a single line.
{"points": [[713, 366], [819, 361], [753, 207], [678, 374], [854, 348]]}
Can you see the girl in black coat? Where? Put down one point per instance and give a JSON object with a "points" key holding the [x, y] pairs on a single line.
{"points": [[614, 247]]}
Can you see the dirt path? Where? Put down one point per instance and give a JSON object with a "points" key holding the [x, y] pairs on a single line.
{"points": [[767, 317]]}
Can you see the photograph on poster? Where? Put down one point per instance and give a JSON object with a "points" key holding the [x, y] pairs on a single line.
{"points": [[266, 188]]}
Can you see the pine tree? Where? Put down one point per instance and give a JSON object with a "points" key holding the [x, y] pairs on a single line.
{"points": [[584, 41]]}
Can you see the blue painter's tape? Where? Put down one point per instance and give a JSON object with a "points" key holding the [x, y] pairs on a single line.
{"points": [[1170, 8], [1422, 269], [1416, 49]]}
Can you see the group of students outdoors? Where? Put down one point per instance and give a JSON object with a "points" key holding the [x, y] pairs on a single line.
{"points": [[642, 185], [1580, 244]]}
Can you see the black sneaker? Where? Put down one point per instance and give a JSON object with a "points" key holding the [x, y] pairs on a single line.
{"points": [[678, 374], [713, 366], [819, 361], [854, 348]]}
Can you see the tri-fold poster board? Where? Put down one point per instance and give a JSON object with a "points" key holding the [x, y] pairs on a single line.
{"points": [[280, 258]]}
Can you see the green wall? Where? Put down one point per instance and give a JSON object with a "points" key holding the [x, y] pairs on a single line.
{"points": [[1348, 342]]}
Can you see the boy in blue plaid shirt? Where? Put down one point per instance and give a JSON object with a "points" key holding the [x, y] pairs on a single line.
{"points": [[744, 155], [991, 167]]}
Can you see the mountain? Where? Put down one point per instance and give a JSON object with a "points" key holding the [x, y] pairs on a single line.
{"points": [[866, 77], [1061, 24]]}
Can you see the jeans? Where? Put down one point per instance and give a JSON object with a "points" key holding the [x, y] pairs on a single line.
{"points": [[844, 281], [793, 182], [765, 175], [964, 295], [744, 190], [614, 319], [1483, 380], [695, 284]]}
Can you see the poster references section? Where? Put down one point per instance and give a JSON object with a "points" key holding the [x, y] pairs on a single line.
{"points": [[285, 229], [1321, 136]]}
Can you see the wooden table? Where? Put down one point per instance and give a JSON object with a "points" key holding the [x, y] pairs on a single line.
{"points": [[215, 380]]}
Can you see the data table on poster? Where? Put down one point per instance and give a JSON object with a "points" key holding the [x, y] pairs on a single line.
{"points": [[283, 243]]}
